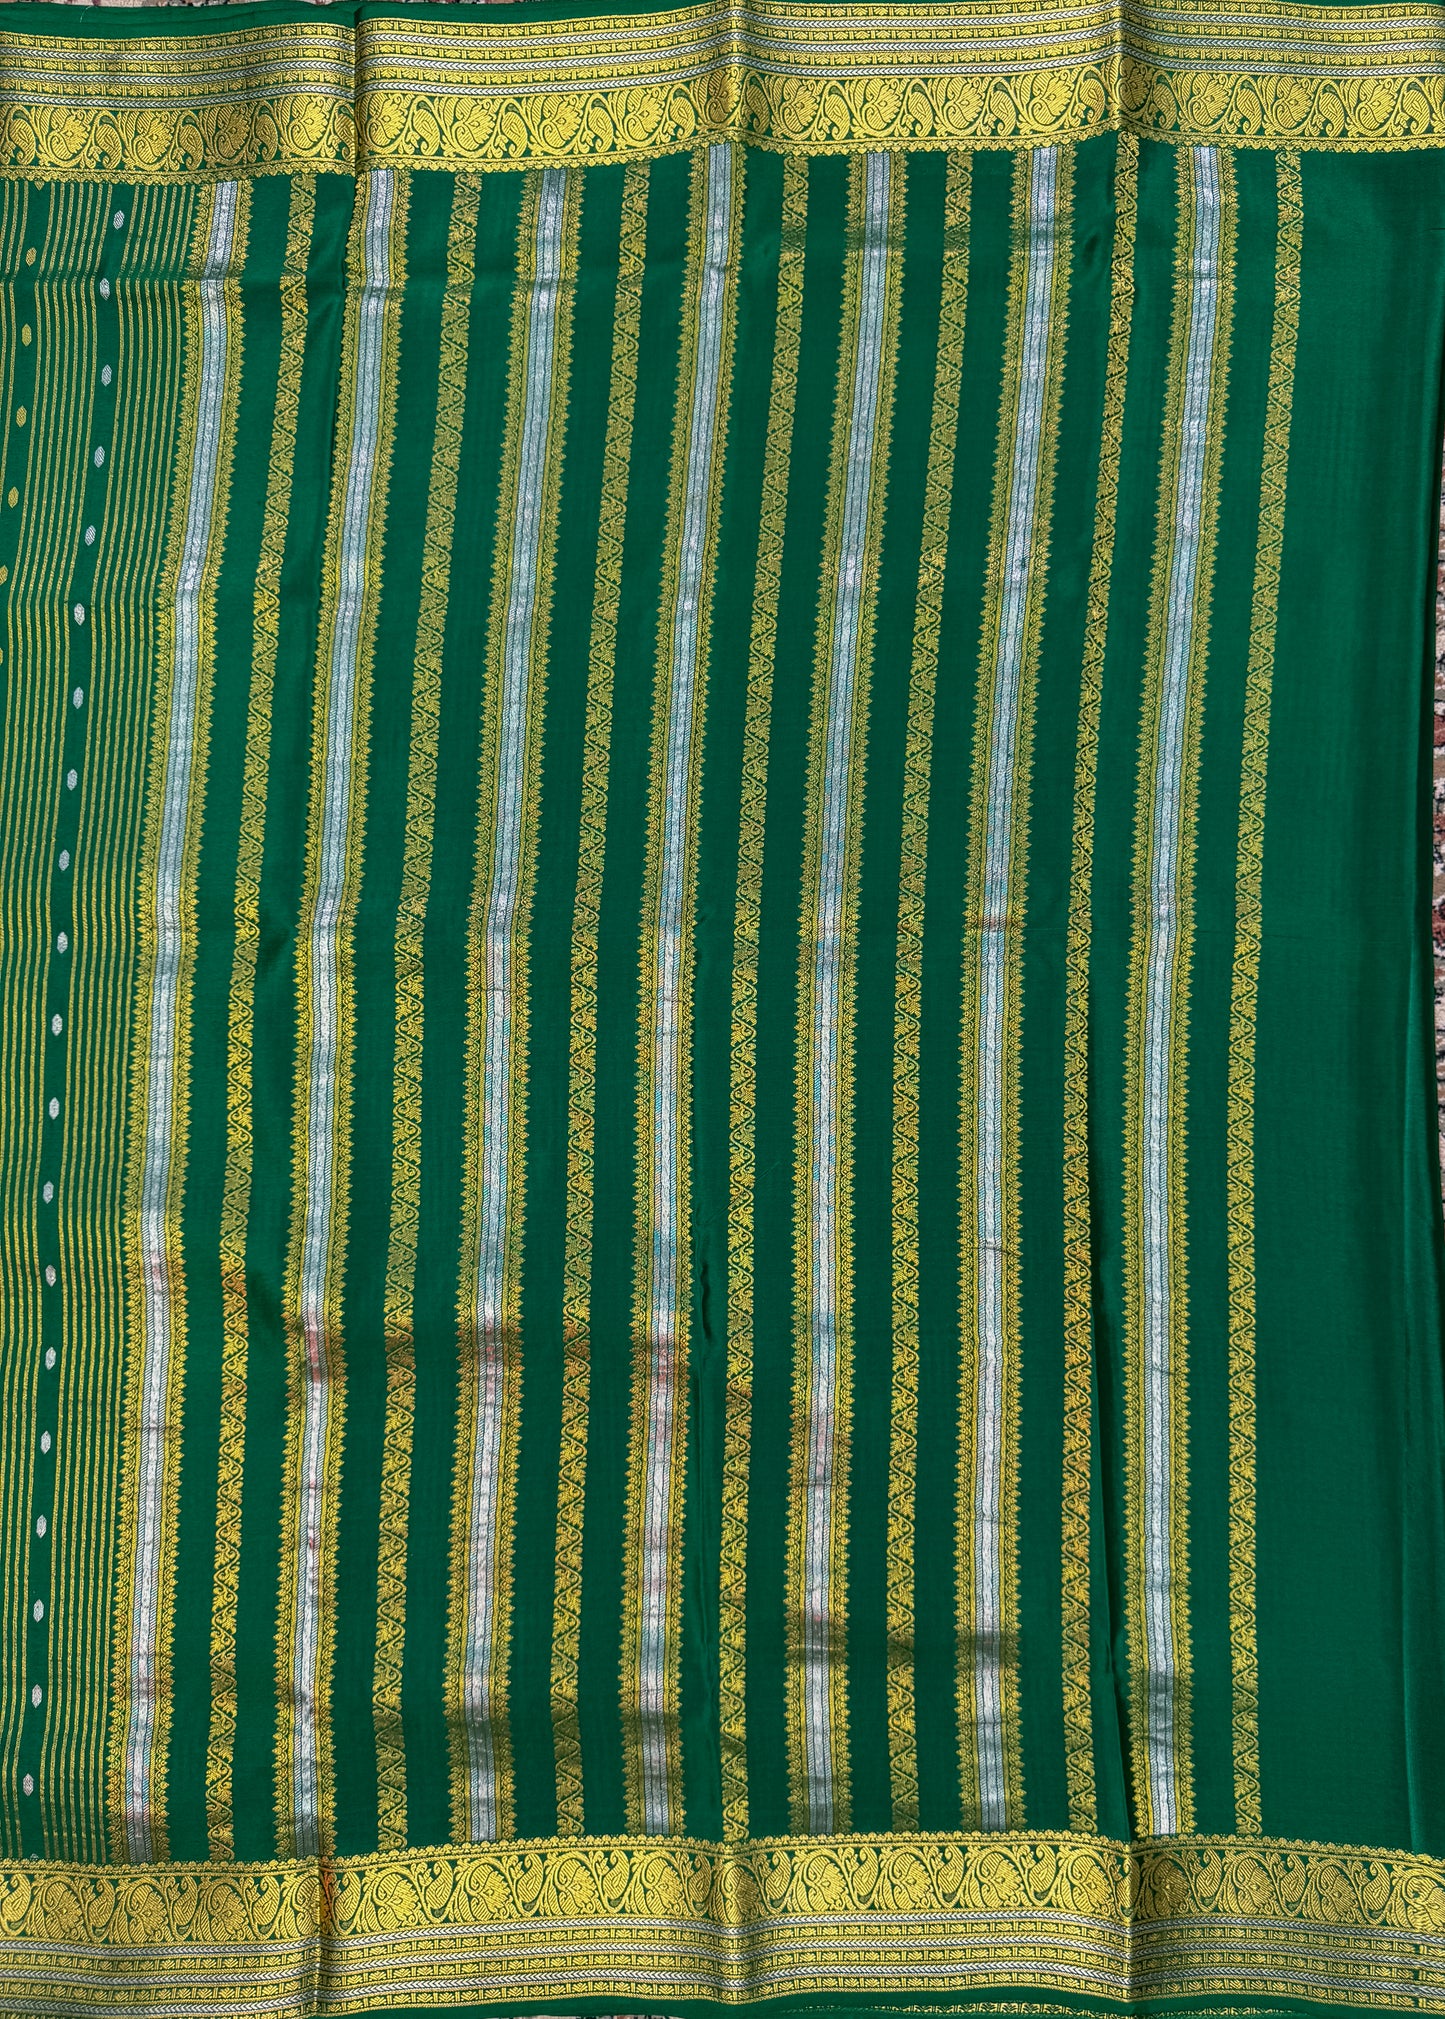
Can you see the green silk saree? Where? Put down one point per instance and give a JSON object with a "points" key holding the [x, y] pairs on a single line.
{"points": [[721, 1251]]}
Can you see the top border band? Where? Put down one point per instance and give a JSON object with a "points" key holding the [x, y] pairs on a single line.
{"points": [[482, 92]]}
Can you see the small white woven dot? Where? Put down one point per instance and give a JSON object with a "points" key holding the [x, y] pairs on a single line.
{"points": [[28, 1785], [62, 941], [65, 858], [50, 1274], [49, 1358], [77, 697], [79, 613], [54, 1107], [47, 1191], [45, 1440], [56, 1026], [90, 536], [105, 290], [72, 779], [41, 1525], [119, 219], [37, 1611], [99, 457], [35, 1696]]}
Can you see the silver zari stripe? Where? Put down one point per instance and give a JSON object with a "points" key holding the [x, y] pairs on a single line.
{"points": [[818, 1624], [1159, 1121], [153, 1455], [499, 941], [999, 898], [667, 1291], [344, 663]]}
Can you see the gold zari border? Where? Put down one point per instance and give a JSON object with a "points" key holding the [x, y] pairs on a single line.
{"points": [[735, 1923], [781, 74]]}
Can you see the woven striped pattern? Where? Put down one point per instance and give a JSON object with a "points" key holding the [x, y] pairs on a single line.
{"points": [[680, 844]]}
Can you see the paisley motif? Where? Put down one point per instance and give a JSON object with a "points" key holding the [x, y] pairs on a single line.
{"points": [[785, 76]]}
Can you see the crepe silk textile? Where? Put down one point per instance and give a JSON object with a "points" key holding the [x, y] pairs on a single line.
{"points": [[721, 1260]]}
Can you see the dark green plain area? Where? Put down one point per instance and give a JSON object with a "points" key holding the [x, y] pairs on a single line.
{"points": [[56, 17], [1350, 1421], [1000, 1999]]}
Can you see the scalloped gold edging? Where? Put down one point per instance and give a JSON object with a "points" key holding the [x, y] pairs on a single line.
{"points": [[480, 92], [737, 1922]]}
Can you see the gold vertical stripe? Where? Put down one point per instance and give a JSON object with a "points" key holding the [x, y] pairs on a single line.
{"points": [[236, 1194], [663, 1291], [1078, 1256], [752, 814], [818, 1764], [144, 1810], [43, 522], [135, 1273], [46, 469], [582, 1064], [304, 1737], [990, 1756], [1161, 1738], [503, 1346], [536, 508], [908, 997], [1244, 1003], [129, 617], [436, 566], [22, 949]]}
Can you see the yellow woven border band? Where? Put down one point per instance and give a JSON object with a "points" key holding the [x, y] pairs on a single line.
{"points": [[650, 1920], [484, 93]]}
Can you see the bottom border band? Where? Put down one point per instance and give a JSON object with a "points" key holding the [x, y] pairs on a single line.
{"points": [[652, 1920]]}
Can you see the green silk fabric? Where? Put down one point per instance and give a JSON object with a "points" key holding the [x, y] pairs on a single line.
{"points": [[721, 1250]]}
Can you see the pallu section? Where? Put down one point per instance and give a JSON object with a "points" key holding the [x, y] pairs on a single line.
{"points": [[817, 769], [370, 86], [998, 1922]]}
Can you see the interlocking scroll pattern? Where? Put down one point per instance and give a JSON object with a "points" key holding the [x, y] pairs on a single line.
{"points": [[477, 90], [733, 1922]]}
